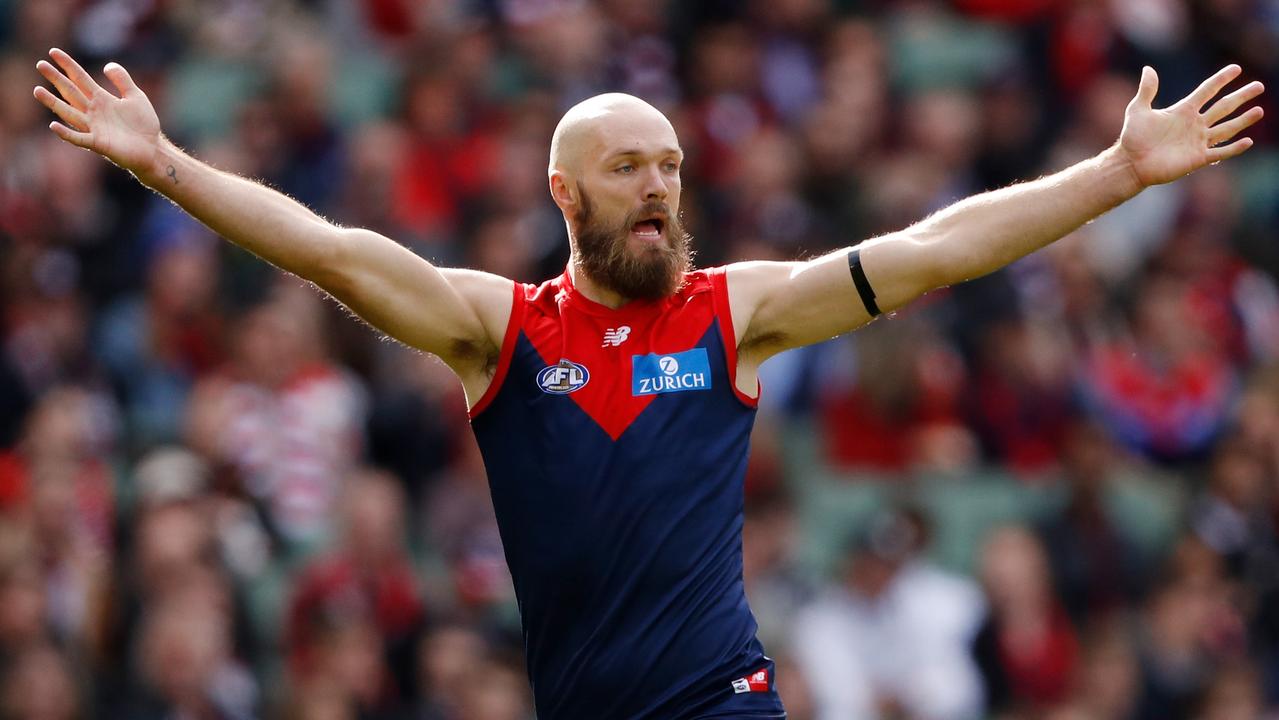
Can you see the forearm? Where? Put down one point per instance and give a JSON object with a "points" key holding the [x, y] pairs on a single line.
{"points": [[988, 231], [263, 221]]}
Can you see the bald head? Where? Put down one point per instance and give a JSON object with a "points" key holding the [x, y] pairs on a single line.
{"points": [[614, 173], [605, 122]]}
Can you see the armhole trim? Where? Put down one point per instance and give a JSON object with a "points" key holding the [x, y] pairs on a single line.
{"points": [[513, 327], [724, 315]]}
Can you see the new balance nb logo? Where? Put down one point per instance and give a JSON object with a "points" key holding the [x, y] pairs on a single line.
{"points": [[755, 682], [616, 336]]}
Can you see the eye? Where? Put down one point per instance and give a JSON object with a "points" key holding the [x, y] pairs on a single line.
{"points": [[625, 169], [671, 166]]}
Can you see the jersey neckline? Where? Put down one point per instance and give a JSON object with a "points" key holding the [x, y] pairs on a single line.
{"points": [[632, 309]]}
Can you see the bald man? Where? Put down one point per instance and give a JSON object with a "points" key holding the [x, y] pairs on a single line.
{"points": [[613, 404]]}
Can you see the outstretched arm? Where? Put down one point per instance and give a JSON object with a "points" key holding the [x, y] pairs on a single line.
{"points": [[777, 306], [453, 314]]}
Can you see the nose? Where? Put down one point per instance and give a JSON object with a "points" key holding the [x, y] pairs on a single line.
{"points": [[654, 184]]}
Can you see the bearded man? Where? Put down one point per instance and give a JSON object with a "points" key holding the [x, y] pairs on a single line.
{"points": [[613, 404]]}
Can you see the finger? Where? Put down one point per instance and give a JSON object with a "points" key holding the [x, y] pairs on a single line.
{"points": [[69, 115], [1225, 152], [1148, 88], [65, 88], [1226, 106], [77, 74], [116, 73], [79, 139], [1226, 130], [1209, 88]]}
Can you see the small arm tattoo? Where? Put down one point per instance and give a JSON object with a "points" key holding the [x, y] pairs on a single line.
{"points": [[173, 173]]}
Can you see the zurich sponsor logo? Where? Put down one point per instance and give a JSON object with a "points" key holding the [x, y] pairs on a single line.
{"points": [[654, 374], [563, 378]]}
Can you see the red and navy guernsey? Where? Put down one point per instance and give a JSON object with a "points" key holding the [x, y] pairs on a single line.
{"points": [[615, 443]]}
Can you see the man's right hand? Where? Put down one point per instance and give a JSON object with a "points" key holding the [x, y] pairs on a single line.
{"points": [[125, 129], [458, 315]]}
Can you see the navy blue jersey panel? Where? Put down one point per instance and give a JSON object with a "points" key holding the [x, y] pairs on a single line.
{"points": [[626, 554]]}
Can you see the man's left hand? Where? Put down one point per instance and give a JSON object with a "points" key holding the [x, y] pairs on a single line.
{"points": [[1163, 145]]}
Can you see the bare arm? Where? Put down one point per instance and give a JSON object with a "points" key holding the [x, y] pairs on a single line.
{"points": [[783, 305], [453, 314]]}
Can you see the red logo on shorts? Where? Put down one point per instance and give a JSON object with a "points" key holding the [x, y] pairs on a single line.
{"points": [[755, 682]]}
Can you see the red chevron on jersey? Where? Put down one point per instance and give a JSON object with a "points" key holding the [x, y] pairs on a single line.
{"points": [[588, 347]]}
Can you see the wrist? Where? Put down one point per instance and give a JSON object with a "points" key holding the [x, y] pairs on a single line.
{"points": [[1120, 173], [156, 171]]}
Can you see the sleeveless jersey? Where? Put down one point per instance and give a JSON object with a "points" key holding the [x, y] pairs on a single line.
{"points": [[615, 443]]}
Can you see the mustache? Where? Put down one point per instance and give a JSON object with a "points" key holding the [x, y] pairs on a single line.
{"points": [[651, 209]]}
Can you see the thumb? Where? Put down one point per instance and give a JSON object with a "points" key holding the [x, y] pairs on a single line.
{"points": [[116, 73], [1148, 88]]}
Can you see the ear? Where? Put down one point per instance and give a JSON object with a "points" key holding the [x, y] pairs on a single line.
{"points": [[561, 190]]}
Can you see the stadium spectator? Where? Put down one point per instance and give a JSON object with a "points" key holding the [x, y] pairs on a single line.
{"points": [[447, 654], [774, 586], [1027, 649], [184, 660], [361, 599], [285, 418], [1097, 566], [459, 524], [901, 413], [1233, 517], [156, 346], [1019, 399], [1165, 391], [1191, 627], [893, 638], [39, 684]]}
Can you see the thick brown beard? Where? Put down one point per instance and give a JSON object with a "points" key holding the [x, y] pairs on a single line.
{"points": [[603, 256]]}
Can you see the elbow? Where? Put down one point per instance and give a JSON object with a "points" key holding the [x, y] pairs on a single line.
{"points": [[930, 259]]}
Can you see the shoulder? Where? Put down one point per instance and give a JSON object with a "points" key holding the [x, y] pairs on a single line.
{"points": [[700, 281], [487, 294], [478, 285], [752, 275]]}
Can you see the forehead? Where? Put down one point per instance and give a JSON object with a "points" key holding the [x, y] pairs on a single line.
{"points": [[630, 131]]}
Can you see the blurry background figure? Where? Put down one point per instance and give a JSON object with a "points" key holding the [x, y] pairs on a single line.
{"points": [[155, 346], [284, 418], [901, 411], [1026, 649], [39, 685], [774, 586], [355, 609], [895, 637], [185, 663], [220, 495], [1098, 569]]}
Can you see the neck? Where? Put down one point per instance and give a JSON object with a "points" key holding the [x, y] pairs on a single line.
{"points": [[594, 291]]}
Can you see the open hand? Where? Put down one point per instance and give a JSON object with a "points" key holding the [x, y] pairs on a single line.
{"points": [[124, 129], [1163, 145]]}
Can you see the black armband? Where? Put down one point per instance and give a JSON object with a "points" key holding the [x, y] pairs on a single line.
{"points": [[862, 284]]}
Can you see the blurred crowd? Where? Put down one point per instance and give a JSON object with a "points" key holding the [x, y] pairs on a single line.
{"points": [[222, 497]]}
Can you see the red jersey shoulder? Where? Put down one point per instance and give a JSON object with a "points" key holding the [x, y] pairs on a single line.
{"points": [[543, 297], [697, 282]]}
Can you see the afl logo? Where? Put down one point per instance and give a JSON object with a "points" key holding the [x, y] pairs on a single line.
{"points": [[564, 378]]}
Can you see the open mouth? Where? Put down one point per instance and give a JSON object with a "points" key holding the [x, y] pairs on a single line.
{"points": [[650, 228]]}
